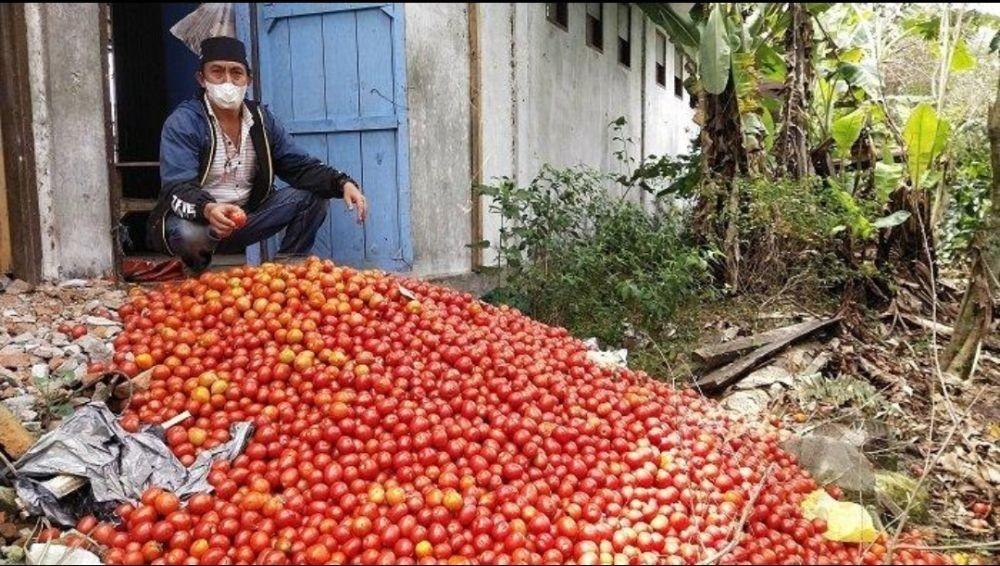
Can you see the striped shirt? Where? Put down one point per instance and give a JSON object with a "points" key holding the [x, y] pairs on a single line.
{"points": [[230, 176]]}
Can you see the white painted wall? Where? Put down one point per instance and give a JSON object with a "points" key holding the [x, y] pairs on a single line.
{"points": [[549, 97]]}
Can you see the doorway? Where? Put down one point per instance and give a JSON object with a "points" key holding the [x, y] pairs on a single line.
{"points": [[150, 72]]}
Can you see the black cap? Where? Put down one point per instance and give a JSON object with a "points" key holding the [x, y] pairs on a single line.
{"points": [[224, 49]]}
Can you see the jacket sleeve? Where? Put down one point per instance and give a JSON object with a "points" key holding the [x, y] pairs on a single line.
{"points": [[180, 151], [299, 169]]}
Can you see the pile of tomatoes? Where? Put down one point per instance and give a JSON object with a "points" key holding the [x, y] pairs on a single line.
{"points": [[401, 422]]}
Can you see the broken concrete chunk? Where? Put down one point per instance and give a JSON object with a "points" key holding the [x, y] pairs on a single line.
{"points": [[94, 347], [18, 287], [100, 321], [23, 338], [47, 352], [765, 377], [832, 461], [39, 371], [16, 360], [748, 403]]}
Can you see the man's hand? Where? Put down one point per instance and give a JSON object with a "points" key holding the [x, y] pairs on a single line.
{"points": [[218, 217], [353, 197]]}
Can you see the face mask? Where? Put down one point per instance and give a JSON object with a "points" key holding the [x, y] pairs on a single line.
{"points": [[227, 95]]}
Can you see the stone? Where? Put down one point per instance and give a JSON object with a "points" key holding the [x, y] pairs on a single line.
{"points": [[47, 352], [748, 403], [100, 321], [16, 360], [765, 377], [832, 461], [60, 340], [23, 338], [39, 371], [73, 283], [94, 347], [18, 287], [73, 351]]}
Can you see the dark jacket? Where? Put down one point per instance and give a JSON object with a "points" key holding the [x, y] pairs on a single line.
{"points": [[187, 146]]}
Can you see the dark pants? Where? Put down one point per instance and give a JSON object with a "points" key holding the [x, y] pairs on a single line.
{"points": [[299, 212]]}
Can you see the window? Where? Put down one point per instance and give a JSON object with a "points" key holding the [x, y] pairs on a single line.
{"points": [[558, 14], [625, 34], [595, 25], [661, 60], [678, 72]]}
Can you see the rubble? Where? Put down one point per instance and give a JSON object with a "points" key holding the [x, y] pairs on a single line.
{"points": [[39, 363]]}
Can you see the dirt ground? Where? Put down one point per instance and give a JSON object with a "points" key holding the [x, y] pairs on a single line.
{"points": [[869, 385]]}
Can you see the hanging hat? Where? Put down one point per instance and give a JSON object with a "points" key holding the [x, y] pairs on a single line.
{"points": [[224, 49]]}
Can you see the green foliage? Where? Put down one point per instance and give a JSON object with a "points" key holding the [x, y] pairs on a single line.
{"points": [[580, 256], [925, 136], [847, 129], [714, 53], [970, 191]]}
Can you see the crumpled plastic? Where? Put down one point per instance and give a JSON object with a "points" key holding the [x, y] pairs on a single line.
{"points": [[609, 358], [118, 465], [845, 521], [211, 19]]}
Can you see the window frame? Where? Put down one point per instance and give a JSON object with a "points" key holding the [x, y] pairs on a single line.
{"points": [[678, 72], [624, 44], [552, 12], [599, 30], [660, 69]]}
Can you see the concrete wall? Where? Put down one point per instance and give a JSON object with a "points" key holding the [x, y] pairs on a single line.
{"points": [[669, 126], [67, 97], [549, 97], [437, 68]]}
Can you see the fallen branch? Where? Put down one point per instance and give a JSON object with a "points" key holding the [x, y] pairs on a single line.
{"points": [[945, 330], [738, 527]]}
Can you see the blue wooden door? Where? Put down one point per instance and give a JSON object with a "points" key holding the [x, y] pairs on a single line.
{"points": [[334, 75]]}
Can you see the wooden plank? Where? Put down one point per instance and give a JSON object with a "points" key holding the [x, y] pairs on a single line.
{"points": [[128, 164], [307, 88], [15, 439], [342, 124], [378, 148], [374, 47], [378, 158], [136, 205], [278, 11], [346, 236], [715, 355], [114, 176], [731, 373], [316, 146], [340, 73], [5, 252], [19, 144], [402, 136], [475, 132]]}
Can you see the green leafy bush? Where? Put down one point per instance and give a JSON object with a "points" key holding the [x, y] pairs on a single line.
{"points": [[579, 253]]}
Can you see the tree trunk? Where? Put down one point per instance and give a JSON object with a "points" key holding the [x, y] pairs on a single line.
{"points": [[792, 148], [723, 158], [976, 315]]}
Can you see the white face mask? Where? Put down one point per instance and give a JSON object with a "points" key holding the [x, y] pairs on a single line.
{"points": [[226, 95]]}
